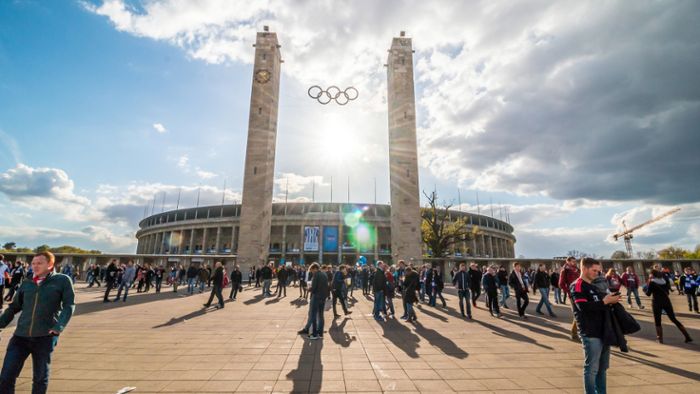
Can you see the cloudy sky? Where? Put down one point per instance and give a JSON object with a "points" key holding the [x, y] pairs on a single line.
{"points": [[572, 116]]}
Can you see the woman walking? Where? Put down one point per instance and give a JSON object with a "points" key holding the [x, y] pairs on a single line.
{"points": [[659, 288]]}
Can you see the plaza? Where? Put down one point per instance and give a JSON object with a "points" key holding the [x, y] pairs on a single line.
{"points": [[167, 342]]}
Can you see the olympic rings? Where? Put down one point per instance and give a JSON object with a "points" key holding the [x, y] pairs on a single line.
{"points": [[333, 92]]}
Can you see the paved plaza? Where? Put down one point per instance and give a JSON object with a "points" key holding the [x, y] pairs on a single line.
{"points": [[168, 343]]}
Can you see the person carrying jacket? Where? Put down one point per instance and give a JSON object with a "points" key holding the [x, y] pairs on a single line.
{"points": [[411, 285], [462, 282], [45, 303], [474, 282], [128, 277], [282, 276], [110, 278]]}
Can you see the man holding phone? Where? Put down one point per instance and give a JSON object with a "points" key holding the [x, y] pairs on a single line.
{"points": [[46, 304]]}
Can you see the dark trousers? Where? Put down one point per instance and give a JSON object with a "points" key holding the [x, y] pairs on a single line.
{"points": [[18, 350], [692, 301], [110, 286], [159, 281], [216, 291], [464, 296], [339, 296], [492, 301], [476, 292], [318, 305], [234, 290], [2, 294], [281, 286], [522, 300]]}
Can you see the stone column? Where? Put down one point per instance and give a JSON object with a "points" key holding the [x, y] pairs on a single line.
{"points": [[192, 233], [256, 206], [284, 242], [403, 157], [181, 242], [205, 230], [490, 244], [218, 240]]}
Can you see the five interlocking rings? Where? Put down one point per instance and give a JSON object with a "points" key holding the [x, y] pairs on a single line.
{"points": [[341, 97]]}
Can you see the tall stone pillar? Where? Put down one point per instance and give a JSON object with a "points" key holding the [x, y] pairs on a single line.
{"points": [[256, 206], [403, 156]]}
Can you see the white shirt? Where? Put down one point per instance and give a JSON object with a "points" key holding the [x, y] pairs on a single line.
{"points": [[3, 268]]}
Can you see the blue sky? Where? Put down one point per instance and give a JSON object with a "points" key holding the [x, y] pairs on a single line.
{"points": [[106, 105]]}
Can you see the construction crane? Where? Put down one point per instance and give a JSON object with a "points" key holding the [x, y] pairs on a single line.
{"points": [[627, 236]]}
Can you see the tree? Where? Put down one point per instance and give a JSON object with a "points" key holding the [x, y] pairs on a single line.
{"points": [[9, 246], [42, 248], [647, 255], [672, 253], [577, 254], [438, 231], [619, 255]]}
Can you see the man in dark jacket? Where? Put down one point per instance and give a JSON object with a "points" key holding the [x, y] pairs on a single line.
{"points": [[282, 276], [411, 284], [218, 284], [110, 278], [266, 276], [364, 275], [236, 279], [340, 291], [520, 289], [191, 278], [554, 281], [319, 293], [462, 283], [541, 283], [378, 286], [474, 282], [46, 303]]}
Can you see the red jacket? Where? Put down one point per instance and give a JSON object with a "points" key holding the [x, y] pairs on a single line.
{"points": [[630, 281], [567, 276]]}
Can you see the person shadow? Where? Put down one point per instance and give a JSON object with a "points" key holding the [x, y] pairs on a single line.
{"points": [[254, 300], [299, 302], [182, 319], [338, 334], [443, 343], [309, 366], [401, 336]]}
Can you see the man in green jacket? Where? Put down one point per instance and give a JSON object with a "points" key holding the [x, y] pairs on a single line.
{"points": [[46, 304]]}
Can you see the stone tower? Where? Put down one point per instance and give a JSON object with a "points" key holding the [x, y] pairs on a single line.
{"points": [[403, 158], [256, 207]]}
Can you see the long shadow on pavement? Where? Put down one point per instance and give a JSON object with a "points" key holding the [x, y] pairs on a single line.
{"points": [[401, 336], [182, 319], [338, 334], [308, 366], [441, 342]]}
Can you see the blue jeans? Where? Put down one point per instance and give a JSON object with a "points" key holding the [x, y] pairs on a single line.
{"points": [[125, 287], [18, 350], [378, 303], [634, 291], [318, 306], [464, 296], [544, 299], [266, 286], [190, 285], [505, 293], [557, 295], [422, 291], [595, 364]]}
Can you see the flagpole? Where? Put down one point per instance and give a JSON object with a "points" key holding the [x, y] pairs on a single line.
{"points": [[179, 191], [331, 188]]}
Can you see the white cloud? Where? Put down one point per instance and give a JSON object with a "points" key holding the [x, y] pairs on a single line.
{"points": [[204, 174], [158, 127], [183, 162]]}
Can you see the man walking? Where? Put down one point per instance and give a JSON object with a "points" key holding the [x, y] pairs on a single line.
{"points": [[631, 282], [46, 303], [159, 273], [568, 274], [319, 293], [689, 285], [462, 282], [236, 279], [541, 283], [110, 278], [589, 307], [282, 276], [217, 286], [340, 291], [4, 271], [191, 278], [128, 277], [474, 282], [520, 289]]}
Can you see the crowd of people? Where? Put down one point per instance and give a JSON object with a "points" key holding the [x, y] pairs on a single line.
{"points": [[595, 296]]}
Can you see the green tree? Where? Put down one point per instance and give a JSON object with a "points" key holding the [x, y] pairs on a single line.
{"points": [[438, 231], [672, 253], [9, 246], [619, 255], [42, 248]]}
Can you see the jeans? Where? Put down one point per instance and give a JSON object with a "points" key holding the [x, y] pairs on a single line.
{"points": [[595, 365], [378, 303], [634, 291], [266, 286], [422, 291], [110, 286], [201, 286], [190, 285], [338, 295], [692, 300], [18, 350], [124, 286], [464, 295], [390, 304], [557, 295], [410, 313], [544, 299], [318, 305], [505, 293], [159, 282]]}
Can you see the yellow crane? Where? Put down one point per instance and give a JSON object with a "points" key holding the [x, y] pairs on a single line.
{"points": [[627, 236]]}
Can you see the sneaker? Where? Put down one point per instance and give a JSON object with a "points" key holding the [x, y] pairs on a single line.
{"points": [[336, 316], [313, 337], [403, 317], [348, 313], [498, 315], [206, 305], [641, 307], [539, 312]]}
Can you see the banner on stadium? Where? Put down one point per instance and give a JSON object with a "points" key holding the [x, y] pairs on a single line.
{"points": [[330, 239], [311, 234]]}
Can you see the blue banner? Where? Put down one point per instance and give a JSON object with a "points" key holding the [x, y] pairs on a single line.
{"points": [[330, 239]]}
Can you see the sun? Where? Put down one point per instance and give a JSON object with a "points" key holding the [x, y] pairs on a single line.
{"points": [[336, 141]]}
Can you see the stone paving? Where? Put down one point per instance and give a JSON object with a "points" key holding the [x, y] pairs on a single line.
{"points": [[168, 343]]}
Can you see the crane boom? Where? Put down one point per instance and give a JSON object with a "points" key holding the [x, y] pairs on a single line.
{"points": [[628, 231]]}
